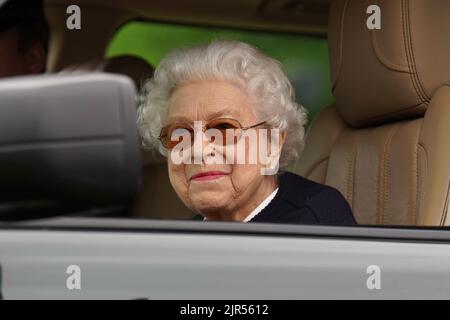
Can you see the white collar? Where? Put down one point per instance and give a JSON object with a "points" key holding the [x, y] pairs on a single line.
{"points": [[259, 208]]}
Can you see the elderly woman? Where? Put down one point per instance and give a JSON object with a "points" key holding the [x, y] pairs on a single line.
{"points": [[199, 111]]}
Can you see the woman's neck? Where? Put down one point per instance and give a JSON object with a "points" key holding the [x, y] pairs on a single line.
{"points": [[269, 185]]}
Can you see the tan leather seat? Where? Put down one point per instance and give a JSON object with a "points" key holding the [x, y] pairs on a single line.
{"points": [[385, 142], [156, 198]]}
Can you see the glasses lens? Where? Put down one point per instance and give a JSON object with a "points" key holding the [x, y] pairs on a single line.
{"points": [[174, 134], [229, 130]]}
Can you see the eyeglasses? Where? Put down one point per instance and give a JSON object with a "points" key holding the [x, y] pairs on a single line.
{"points": [[226, 127]]}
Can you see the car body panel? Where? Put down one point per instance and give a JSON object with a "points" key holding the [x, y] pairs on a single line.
{"points": [[194, 260]]}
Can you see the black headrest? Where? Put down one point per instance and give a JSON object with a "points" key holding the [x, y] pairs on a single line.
{"points": [[68, 137]]}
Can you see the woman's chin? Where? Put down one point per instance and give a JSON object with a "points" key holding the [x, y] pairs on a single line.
{"points": [[210, 203]]}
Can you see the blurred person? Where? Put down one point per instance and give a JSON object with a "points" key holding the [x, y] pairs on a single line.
{"points": [[24, 38], [229, 87]]}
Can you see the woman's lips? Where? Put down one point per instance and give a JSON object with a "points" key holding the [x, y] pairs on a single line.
{"points": [[210, 175]]}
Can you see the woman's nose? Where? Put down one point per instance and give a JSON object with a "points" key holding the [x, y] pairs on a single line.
{"points": [[200, 144]]}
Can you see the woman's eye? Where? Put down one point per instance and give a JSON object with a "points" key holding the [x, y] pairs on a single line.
{"points": [[224, 126]]}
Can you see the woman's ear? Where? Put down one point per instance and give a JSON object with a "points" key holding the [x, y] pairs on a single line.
{"points": [[36, 58]]}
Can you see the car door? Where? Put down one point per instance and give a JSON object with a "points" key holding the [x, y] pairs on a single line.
{"points": [[86, 258]]}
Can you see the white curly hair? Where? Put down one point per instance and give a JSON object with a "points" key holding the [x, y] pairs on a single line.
{"points": [[261, 77]]}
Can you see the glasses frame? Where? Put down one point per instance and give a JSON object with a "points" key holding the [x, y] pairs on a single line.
{"points": [[242, 128]]}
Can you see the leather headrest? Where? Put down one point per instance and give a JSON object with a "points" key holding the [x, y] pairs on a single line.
{"points": [[390, 73], [68, 138], [138, 69]]}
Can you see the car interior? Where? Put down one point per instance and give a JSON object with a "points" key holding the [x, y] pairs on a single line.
{"points": [[156, 198], [381, 143]]}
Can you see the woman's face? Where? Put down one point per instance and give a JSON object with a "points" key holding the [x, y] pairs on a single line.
{"points": [[217, 191]]}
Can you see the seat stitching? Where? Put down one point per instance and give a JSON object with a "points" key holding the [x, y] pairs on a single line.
{"points": [[424, 95], [416, 185], [385, 170], [352, 167], [426, 170], [409, 46], [384, 60], [341, 47], [388, 115], [446, 204], [415, 206], [406, 42]]}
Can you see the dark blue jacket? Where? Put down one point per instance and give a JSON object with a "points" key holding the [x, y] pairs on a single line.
{"points": [[302, 201]]}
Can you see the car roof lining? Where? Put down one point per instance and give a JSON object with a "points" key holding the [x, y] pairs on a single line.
{"points": [[299, 16]]}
